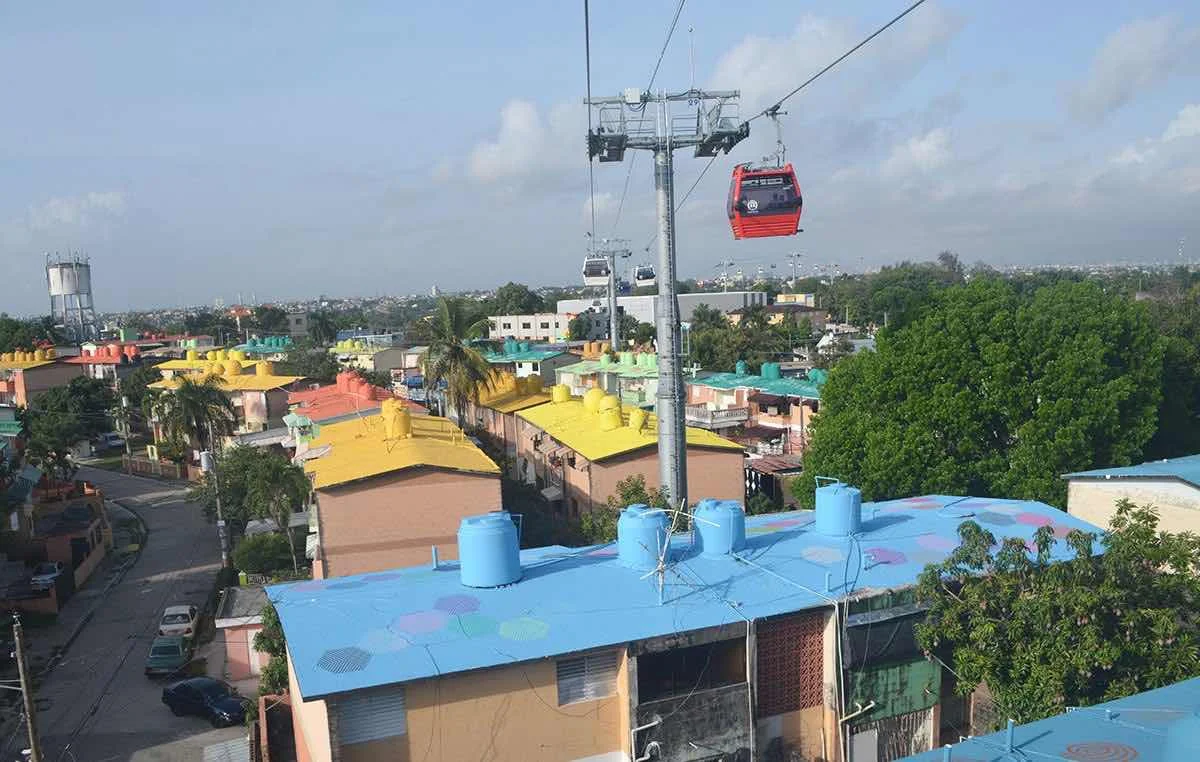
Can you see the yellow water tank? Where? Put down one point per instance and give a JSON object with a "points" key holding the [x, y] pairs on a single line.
{"points": [[560, 393], [637, 419], [264, 368], [397, 422], [533, 384], [222, 355], [610, 402], [211, 355], [230, 368], [610, 419], [193, 355], [39, 354], [591, 400], [51, 353]]}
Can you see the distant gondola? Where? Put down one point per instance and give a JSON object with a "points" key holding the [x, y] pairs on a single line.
{"points": [[644, 276], [595, 271]]}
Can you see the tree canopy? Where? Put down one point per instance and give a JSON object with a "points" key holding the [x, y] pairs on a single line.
{"points": [[515, 299], [1117, 619], [992, 392], [26, 334], [314, 364]]}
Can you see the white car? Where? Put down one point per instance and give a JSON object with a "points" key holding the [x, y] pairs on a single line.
{"points": [[45, 575], [178, 620]]}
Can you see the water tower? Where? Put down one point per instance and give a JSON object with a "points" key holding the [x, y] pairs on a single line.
{"points": [[69, 281]]}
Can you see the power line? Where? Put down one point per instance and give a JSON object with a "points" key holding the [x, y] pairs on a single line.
{"points": [[587, 57], [666, 42], [838, 60]]}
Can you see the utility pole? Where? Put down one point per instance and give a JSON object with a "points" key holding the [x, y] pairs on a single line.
{"points": [[211, 467], [710, 125], [613, 248], [35, 743]]}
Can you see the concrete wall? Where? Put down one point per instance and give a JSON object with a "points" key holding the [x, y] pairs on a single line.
{"points": [[513, 326], [645, 308], [238, 643], [392, 521], [29, 383], [1095, 500], [710, 473], [310, 723]]}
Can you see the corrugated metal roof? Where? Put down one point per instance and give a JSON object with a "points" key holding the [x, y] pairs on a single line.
{"points": [[530, 355], [358, 450], [355, 632], [570, 423], [1185, 469], [1162, 725]]}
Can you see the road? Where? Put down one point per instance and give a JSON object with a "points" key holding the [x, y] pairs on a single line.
{"points": [[97, 705]]}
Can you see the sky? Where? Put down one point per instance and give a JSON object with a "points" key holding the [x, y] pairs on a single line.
{"points": [[290, 149]]}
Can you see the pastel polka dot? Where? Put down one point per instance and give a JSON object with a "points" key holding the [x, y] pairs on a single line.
{"points": [[926, 557], [380, 641], [823, 554], [420, 622], [886, 555], [457, 604], [474, 625], [1034, 519], [1062, 530], [759, 530], [994, 519], [524, 628]]}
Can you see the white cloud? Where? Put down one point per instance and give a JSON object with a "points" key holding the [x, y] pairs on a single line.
{"points": [[1185, 125], [75, 211], [1137, 56], [1134, 155], [919, 155], [605, 203], [530, 144]]}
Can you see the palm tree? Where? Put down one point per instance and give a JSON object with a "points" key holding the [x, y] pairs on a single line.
{"points": [[321, 328], [197, 409], [450, 358], [277, 488]]}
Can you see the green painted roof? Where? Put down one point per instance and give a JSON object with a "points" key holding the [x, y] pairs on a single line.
{"points": [[623, 370], [791, 387], [531, 355]]}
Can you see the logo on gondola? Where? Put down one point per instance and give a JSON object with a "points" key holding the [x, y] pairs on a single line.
{"points": [[752, 205]]}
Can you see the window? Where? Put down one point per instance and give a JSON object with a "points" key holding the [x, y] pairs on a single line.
{"points": [[526, 326], [680, 671], [371, 715], [508, 325], [543, 325], [587, 678], [534, 367]]}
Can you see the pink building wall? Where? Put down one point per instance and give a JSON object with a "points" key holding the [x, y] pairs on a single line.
{"points": [[239, 642]]}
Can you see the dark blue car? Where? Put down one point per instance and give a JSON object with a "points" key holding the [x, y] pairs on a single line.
{"points": [[208, 698]]}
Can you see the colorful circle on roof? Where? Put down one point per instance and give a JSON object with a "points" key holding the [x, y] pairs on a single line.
{"points": [[760, 530], [420, 622], [1100, 751], [785, 523], [457, 604], [524, 628], [822, 554], [936, 542], [382, 577], [474, 625], [1034, 519], [886, 555], [995, 519], [1062, 530], [381, 641], [342, 660]]}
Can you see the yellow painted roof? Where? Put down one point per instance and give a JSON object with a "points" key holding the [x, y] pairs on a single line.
{"points": [[247, 382], [358, 450], [26, 365], [508, 394], [199, 364], [575, 427]]}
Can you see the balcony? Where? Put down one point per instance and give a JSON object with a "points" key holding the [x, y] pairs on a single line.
{"points": [[700, 415]]}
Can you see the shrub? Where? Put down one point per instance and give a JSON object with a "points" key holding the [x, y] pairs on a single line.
{"points": [[263, 554]]}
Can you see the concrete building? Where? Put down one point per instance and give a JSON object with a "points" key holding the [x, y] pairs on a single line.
{"points": [[575, 450], [776, 314], [758, 639], [1171, 486], [645, 308], [24, 375], [494, 417], [109, 363], [768, 413], [521, 359], [380, 353], [348, 397], [259, 397], [808, 300], [632, 376], [238, 620], [389, 487], [1159, 725], [541, 326], [297, 325]]}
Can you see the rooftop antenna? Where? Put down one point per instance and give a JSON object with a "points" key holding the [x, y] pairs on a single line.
{"points": [[660, 569]]}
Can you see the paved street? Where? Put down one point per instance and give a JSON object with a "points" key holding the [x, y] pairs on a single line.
{"points": [[97, 705]]}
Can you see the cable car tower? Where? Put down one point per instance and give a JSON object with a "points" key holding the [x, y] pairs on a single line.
{"points": [[600, 269], [709, 123]]}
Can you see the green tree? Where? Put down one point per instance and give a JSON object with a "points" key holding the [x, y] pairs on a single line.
{"points": [[644, 333], [27, 334], [52, 434], [322, 328], [1117, 619], [515, 299], [314, 364], [628, 328], [380, 378], [134, 387], [451, 360], [578, 328], [270, 640], [1178, 431], [90, 401], [992, 392], [263, 553], [197, 410], [270, 319], [236, 469], [600, 524], [277, 489]]}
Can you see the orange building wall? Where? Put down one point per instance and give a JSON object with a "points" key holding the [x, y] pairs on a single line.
{"points": [[310, 724], [711, 473], [393, 521], [29, 383]]}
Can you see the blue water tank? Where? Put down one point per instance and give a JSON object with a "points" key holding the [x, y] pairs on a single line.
{"points": [[641, 536], [488, 550], [839, 509], [720, 527]]}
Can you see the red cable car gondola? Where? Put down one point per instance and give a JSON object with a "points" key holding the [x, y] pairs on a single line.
{"points": [[764, 202]]}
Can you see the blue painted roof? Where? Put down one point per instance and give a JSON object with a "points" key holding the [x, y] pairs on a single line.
{"points": [[355, 632], [1162, 725], [1186, 469]]}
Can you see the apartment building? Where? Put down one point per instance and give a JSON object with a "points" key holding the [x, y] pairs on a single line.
{"points": [[24, 375], [1172, 486], [766, 412], [632, 376], [541, 326], [259, 397], [521, 359]]}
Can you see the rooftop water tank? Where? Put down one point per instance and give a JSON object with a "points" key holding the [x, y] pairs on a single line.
{"points": [[839, 509], [771, 371], [739, 368], [488, 550], [720, 527], [641, 536]]}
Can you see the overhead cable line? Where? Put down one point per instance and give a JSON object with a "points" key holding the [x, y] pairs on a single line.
{"points": [[775, 108], [587, 57]]}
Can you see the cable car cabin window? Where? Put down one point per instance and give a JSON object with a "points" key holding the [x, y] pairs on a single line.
{"points": [[769, 194], [680, 671]]}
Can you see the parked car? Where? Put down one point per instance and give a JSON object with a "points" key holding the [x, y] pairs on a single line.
{"points": [[178, 620], [205, 697], [168, 655], [46, 574], [109, 440]]}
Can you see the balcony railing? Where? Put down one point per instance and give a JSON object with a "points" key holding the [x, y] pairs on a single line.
{"points": [[700, 415]]}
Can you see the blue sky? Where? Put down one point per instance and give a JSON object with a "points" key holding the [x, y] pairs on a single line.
{"points": [[291, 149]]}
